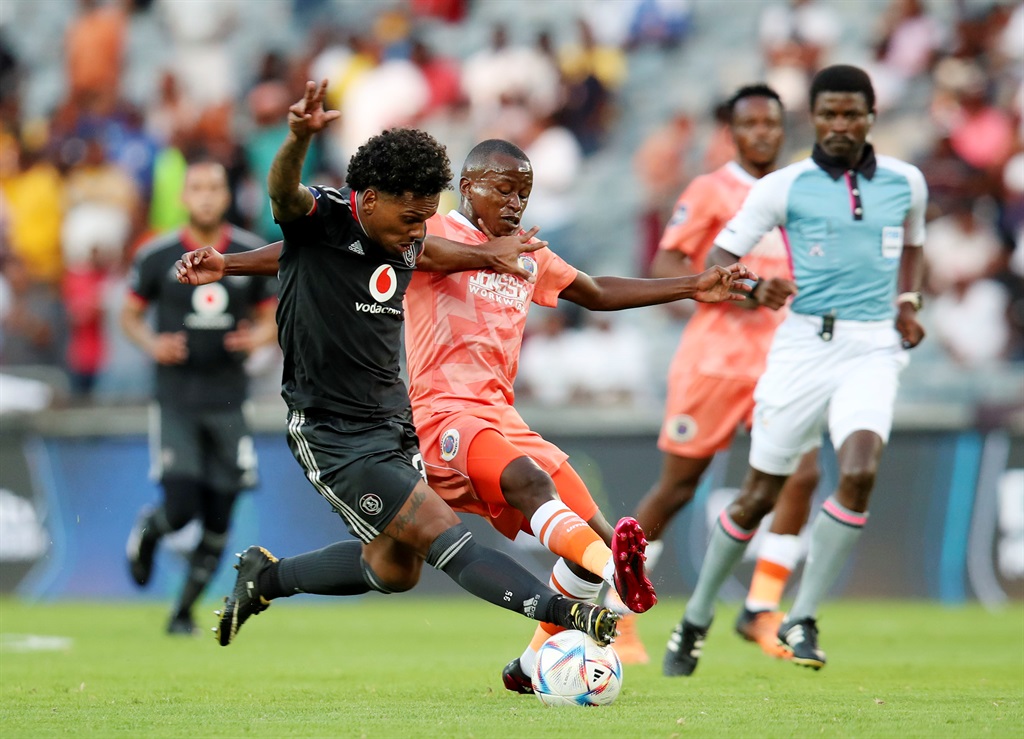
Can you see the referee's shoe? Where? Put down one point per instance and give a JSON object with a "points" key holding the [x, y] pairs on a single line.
{"points": [[245, 600]]}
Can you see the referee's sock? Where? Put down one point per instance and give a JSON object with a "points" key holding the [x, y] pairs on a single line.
{"points": [[728, 542], [836, 529]]}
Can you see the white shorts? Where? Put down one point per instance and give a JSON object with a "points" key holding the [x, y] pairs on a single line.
{"points": [[850, 381]]}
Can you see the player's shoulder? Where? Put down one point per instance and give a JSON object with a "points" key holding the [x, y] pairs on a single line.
{"points": [[898, 166], [164, 244]]}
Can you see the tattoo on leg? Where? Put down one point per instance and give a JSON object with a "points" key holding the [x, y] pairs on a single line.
{"points": [[406, 519]]}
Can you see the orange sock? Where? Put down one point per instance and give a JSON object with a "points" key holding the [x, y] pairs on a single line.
{"points": [[569, 536], [767, 586]]}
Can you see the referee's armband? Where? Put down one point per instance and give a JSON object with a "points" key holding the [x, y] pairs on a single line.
{"points": [[914, 298]]}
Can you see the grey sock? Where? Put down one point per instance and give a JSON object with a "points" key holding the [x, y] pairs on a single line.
{"points": [[835, 531], [724, 551]]}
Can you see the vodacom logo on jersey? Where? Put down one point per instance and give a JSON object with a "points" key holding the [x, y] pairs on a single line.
{"points": [[383, 283]]}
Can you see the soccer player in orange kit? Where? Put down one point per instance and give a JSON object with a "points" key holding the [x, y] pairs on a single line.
{"points": [[463, 335]]}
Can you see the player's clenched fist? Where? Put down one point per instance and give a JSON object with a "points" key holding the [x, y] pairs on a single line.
{"points": [[200, 267], [719, 284]]}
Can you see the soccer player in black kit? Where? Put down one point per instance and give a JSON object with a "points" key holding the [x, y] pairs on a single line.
{"points": [[346, 261], [202, 447]]}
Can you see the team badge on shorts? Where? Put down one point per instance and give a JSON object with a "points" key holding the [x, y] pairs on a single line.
{"points": [[371, 504], [681, 428], [449, 444]]}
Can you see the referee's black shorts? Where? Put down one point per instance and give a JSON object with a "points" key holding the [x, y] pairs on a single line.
{"points": [[365, 469]]}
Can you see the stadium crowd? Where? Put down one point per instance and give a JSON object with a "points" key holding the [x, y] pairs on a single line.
{"points": [[94, 143]]}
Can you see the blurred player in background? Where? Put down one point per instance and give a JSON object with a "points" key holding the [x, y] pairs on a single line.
{"points": [[202, 447], [720, 356], [463, 338], [855, 227], [347, 258]]}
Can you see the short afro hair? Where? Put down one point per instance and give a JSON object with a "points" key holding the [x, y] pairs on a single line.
{"points": [[400, 161], [760, 90], [843, 78], [486, 150]]}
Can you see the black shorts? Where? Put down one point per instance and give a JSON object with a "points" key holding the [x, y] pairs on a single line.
{"points": [[365, 469], [214, 446]]}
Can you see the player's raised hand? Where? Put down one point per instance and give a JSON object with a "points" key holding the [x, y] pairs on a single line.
{"points": [[200, 267], [504, 252], [308, 116], [773, 293], [719, 284]]}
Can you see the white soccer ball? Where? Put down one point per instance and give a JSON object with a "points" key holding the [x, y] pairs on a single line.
{"points": [[574, 670]]}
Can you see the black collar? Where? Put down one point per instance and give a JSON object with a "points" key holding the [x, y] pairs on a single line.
{"points": [[837, 168]]}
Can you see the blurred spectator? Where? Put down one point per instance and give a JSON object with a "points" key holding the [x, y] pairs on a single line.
{"points": [[488, 79], [199, 33], [84, 290], [909, 39], [663, 23], [611, 355], [442, 76], [32, 322], [171, 115], [394, 93], [103, 209], [33, 199], [548, 365], [979, 132], [962, 248], [93, 51], [591, 73], [557, 159], [796, 38], [660, 166], [970, 322], [450, 11]]}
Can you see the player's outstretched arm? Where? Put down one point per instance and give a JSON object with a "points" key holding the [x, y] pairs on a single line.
{"points": [[500, 254], [771, 293], [206, 265], [289, 199], [616, 293]]}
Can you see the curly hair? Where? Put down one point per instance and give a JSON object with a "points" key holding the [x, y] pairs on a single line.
{"points": [[400, 161]]}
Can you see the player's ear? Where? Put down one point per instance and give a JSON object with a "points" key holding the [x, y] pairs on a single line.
{"points": [[871, 117]]}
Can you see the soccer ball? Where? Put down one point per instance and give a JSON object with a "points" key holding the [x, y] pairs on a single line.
{"points": [[574, 670]]}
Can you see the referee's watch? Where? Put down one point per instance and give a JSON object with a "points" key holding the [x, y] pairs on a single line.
{"points": [[914, 298]]}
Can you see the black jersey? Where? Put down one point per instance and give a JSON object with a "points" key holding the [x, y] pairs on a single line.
{"points": [[212, 377], [340, 313]]}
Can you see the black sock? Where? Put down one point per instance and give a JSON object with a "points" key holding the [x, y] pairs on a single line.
{"points": [[334, 570], [202, 566], [490, 575]]}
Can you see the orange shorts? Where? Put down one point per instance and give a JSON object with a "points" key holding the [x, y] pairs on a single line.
{"points": [[446, 442], [702, 413]]}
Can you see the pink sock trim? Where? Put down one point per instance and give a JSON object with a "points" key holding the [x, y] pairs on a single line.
{"points": [[842, 515], [733, 530]]}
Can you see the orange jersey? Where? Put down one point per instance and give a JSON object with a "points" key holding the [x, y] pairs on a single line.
{"points": [[464, 330], [722, 339]]}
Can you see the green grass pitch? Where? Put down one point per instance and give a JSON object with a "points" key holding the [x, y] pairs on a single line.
{"points": [[402, 666]]}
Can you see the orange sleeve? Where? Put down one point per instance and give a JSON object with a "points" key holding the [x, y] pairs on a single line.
{"points": [[695, 220]]}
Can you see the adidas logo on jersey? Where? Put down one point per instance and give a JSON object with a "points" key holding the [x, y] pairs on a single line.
{"points": [[356, 248]]}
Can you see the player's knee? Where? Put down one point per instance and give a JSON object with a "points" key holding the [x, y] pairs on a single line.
{"points": [[396, 578], [677, 490], [526, 487], [857, 482]]}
